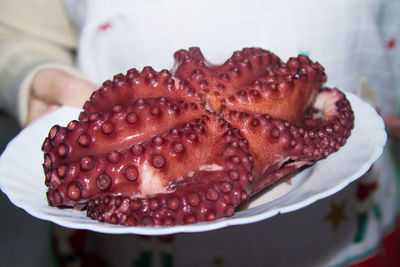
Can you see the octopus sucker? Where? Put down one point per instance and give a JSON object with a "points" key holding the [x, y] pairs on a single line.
{"points": [[164, 148]]}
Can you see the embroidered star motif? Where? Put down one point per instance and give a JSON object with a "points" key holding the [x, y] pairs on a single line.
{"points": [[367, 92], [336, 215]]}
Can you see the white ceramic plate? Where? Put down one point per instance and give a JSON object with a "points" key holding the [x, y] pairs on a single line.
{"points": [[22, 178]]}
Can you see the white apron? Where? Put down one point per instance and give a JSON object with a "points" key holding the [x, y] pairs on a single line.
{"points": [[340, 34]]}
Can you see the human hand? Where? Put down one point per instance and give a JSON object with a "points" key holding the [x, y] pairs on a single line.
{"points": [[52, 88], [392, 123]]}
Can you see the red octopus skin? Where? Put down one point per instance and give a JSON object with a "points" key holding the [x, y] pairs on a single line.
{"points": [[191, 144]]}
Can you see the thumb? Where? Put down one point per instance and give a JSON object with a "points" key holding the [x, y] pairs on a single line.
{"points": [[75, 92], [54, 86]]}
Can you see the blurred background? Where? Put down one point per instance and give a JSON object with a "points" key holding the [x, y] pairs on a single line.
{"points": [[24, 239]]}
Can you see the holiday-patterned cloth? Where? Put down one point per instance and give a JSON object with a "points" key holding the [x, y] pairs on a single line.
{"points": [[357, 43]]}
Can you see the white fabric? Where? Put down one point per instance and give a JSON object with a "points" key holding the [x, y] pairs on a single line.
{"points": [[341, 34]]}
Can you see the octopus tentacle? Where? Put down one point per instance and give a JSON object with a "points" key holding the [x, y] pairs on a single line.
{"points": [[300, 144], [161, 166], [215, 83], [286, 91], [191, 144], [204, 187], [124, 125], [253, 80], [135, 85]]}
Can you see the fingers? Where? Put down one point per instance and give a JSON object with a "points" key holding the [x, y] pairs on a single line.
{"points": [[75, 92], [54, 86], [38, 108]]}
